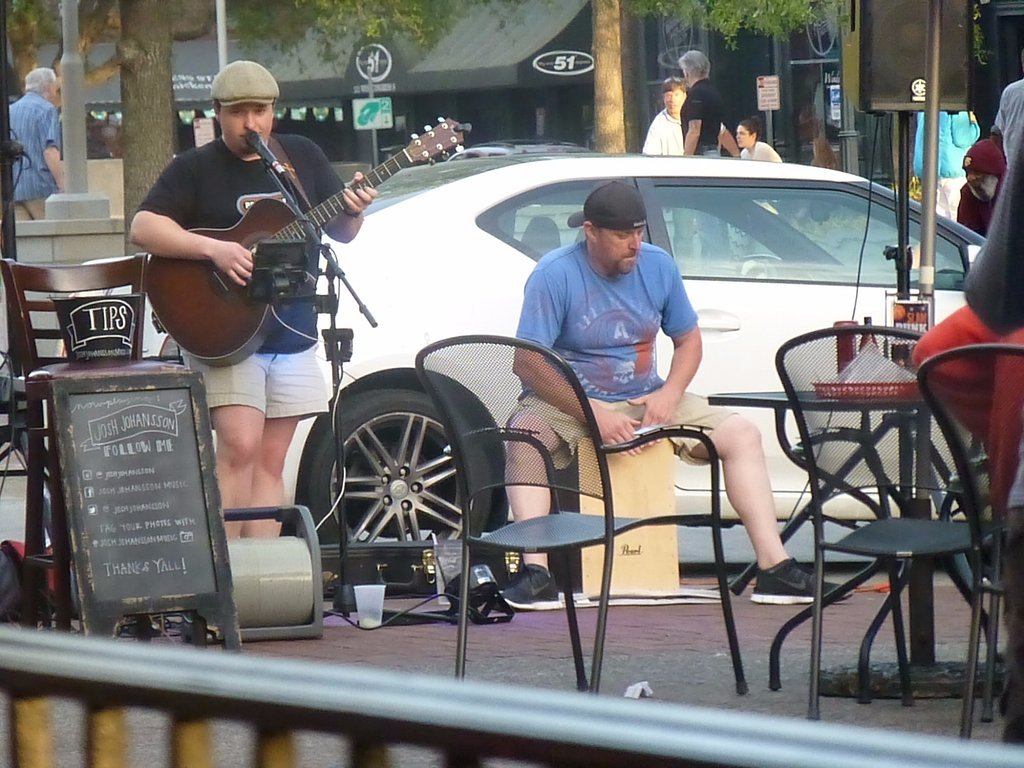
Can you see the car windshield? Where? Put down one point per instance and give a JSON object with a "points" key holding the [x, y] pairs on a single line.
{"points": [[420, 178]]}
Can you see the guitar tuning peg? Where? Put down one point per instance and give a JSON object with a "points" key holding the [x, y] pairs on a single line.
{"points": [[440, 119], [414, 136], [426, 129]]}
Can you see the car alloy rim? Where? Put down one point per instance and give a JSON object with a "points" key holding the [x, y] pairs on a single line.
{"points": [[400, 483]]}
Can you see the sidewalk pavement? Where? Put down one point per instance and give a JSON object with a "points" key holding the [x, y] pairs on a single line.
{"points": [[679, 650]]}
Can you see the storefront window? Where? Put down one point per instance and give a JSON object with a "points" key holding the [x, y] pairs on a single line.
{"points": [[816, 106], [103, 135]]}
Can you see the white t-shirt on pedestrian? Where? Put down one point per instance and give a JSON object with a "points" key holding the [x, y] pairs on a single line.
{"points": [[1010, 118], [665, 136], [761, 151]]}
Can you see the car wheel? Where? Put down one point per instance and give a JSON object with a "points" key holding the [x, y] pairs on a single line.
{"points": [[400, 482]]}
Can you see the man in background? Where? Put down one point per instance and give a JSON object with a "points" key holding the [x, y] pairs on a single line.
{"points": [[665, 136], [35, 124], [703, 115]]}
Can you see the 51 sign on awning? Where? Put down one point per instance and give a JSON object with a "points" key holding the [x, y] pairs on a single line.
{"points": [[563, 63]]}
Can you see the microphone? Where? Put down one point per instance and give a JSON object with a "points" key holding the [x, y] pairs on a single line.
{"points": [[257, 145]]}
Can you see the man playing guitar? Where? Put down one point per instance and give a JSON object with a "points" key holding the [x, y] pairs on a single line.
{"points": [[256, 403]]}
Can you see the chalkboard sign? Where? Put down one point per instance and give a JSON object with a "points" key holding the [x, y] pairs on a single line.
{"points": [[143, 509]]}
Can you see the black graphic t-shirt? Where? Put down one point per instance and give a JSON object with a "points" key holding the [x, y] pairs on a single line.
{"points": [[210, 188]]}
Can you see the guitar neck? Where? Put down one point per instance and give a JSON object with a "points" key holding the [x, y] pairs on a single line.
{"points": [[333, 206]]}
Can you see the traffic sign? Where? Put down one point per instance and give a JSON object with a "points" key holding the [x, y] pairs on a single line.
{"points": [[368, 114], [373, 62], [768, 94]]}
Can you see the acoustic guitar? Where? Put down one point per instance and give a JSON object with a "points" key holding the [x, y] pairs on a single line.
{"points": [[214, 318]]}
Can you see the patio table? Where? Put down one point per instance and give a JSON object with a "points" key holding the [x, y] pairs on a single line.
{"points": [[920, 471]]}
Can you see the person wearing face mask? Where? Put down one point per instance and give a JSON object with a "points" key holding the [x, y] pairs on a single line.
{"points": [[985, 167]]}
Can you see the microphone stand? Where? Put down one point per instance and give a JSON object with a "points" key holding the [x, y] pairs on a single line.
{"points": [[338, 346]]}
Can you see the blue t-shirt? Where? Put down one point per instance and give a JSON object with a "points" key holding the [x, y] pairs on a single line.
{"points": [[605, 327]]}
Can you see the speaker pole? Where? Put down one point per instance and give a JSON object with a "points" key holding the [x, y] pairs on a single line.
{"points": [[904, 153], [929, 182], [848, 109], [8, 242]]}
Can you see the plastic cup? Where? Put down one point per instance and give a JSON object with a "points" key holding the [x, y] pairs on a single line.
{"points": [[370, 604]]}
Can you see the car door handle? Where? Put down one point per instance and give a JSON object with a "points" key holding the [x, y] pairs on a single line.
{"points": [[717, 320]]}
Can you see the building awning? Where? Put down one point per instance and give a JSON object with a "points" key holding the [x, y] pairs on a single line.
{"points": [[194, 65], [491, 40], [490, 46]]}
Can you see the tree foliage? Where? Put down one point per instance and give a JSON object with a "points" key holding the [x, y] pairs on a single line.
{"points": [[420, 21], [773, 18], [34, 23]]}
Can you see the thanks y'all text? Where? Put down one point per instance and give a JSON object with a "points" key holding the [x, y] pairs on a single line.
{"points": [[160, 565]]}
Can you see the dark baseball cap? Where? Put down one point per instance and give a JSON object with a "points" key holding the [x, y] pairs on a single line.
{"points": [[615, 205]]}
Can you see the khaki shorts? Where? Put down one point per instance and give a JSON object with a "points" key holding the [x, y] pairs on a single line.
{"points": [[693, 411], [279, 385], [30, 210]]}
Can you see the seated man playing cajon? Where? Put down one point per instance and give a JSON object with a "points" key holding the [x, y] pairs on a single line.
{"points": [[600, 303]]}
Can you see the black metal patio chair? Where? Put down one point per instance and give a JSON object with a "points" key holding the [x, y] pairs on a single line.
{"points": [[867, 431], [943, 390], [478, 384]]}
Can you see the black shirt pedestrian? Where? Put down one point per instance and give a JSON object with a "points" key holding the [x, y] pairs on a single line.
{"points": [[704, 103]]}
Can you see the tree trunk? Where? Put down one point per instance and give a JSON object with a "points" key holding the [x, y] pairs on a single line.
{"points": [[632, 80], [23, 39], [146, 96], [609, 134]]}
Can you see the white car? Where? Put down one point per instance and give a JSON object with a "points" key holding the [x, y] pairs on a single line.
{"points": [[766, 250]]}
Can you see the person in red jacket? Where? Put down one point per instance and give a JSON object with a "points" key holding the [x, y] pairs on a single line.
{"points": [[985, 167]]}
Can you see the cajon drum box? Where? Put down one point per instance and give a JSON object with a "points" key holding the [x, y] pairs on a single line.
{"points": [[646, 559]]}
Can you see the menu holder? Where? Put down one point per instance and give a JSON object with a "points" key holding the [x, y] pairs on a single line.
{"points": [[143, 507]]}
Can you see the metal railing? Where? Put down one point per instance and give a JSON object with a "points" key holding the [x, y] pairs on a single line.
{"points": [[462, 722]]}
